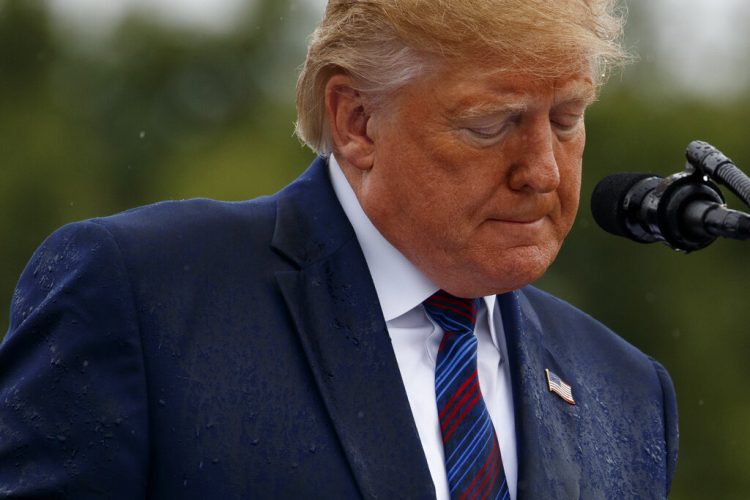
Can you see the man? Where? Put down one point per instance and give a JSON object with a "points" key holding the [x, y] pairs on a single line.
{"points": [[368, 331]]}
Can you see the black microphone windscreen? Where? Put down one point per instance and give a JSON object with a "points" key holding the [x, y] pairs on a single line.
{"points": [[607, 201]]}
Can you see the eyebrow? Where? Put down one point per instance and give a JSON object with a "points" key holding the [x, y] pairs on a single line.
{"points": [[574, 92], [578, 91], [485, 109]]}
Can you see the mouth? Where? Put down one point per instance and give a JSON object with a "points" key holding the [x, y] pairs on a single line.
{"points": [[519, 228], [519, 221]]}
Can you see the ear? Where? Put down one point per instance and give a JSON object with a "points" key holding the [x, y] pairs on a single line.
{"points": [[348, 117]]}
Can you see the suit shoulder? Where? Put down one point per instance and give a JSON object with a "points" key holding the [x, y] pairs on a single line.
{"points": [[167, 238], [190, 216], [545, 303], [570, 328]]}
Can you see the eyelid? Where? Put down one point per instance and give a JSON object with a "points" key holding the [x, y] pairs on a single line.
{"points": [[488, 128], [565, 126], [571, 111], [575, 117], [488, 132]]}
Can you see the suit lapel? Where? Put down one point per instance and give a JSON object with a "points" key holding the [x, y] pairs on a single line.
{"points": [[333, 303], [546, 426]]}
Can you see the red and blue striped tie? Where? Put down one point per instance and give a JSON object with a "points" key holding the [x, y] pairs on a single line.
{"points": [[472, 454]]}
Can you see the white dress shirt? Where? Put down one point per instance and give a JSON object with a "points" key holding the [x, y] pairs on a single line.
{"points": [[401, 289]]}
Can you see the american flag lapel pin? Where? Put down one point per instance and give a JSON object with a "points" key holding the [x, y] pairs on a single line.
{"points": [[559, 387]]}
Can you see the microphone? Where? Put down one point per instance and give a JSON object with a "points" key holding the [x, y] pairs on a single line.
{"points": [[684, 211]]}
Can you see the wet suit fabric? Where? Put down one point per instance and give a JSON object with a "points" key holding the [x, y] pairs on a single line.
{"points": [[204, 349]]}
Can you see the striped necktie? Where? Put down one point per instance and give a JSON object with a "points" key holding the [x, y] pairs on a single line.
{"points": [[472, 455]]}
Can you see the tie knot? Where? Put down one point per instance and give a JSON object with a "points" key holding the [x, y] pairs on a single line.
{"points": [[452, 314]]}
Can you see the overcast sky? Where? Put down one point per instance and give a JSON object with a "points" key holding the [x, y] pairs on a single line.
{"points": [[702, 44]]}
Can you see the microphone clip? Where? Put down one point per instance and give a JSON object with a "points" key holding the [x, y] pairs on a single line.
{"points": [[656, 209]]}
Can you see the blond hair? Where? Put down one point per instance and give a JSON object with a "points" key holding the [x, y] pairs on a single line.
{"points": [[384, 44]]}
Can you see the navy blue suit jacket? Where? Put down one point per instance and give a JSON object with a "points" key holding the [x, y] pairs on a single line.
{"points": [[202, 349]]}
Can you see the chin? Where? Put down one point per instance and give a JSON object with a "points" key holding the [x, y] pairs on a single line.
{"points": [[516, 270], [491, 271], [492, 281]]}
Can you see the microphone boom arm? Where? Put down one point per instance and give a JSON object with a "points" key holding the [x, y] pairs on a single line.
{"points": [[707, 160]]}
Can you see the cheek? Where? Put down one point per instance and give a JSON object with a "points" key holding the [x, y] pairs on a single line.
{"points": [[569, 190], [432, 182]]}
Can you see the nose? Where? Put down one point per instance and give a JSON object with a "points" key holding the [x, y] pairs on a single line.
{"points": [[536, 169]]}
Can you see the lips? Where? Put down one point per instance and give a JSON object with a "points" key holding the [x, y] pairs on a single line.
{"points": [[524, 211], [520, 220]]}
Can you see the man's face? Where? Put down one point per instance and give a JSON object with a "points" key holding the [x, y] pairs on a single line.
{"points": [[476, 175]]}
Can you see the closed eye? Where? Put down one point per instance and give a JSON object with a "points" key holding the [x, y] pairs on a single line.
{"points": [[493, 129], [567, 122], [487, 132]]}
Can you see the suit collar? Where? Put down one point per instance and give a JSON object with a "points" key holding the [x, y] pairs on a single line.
{"points": [[333, 304], [310, 224], [546, 427]]}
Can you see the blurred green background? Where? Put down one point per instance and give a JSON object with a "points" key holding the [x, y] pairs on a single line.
{"points": [[97, 117]]}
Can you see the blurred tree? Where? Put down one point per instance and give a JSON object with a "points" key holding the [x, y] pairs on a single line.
{"points": [[156, 112], [149, 113]]}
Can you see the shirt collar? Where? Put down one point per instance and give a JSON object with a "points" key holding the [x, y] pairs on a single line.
{"points": [[399, 284]]}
